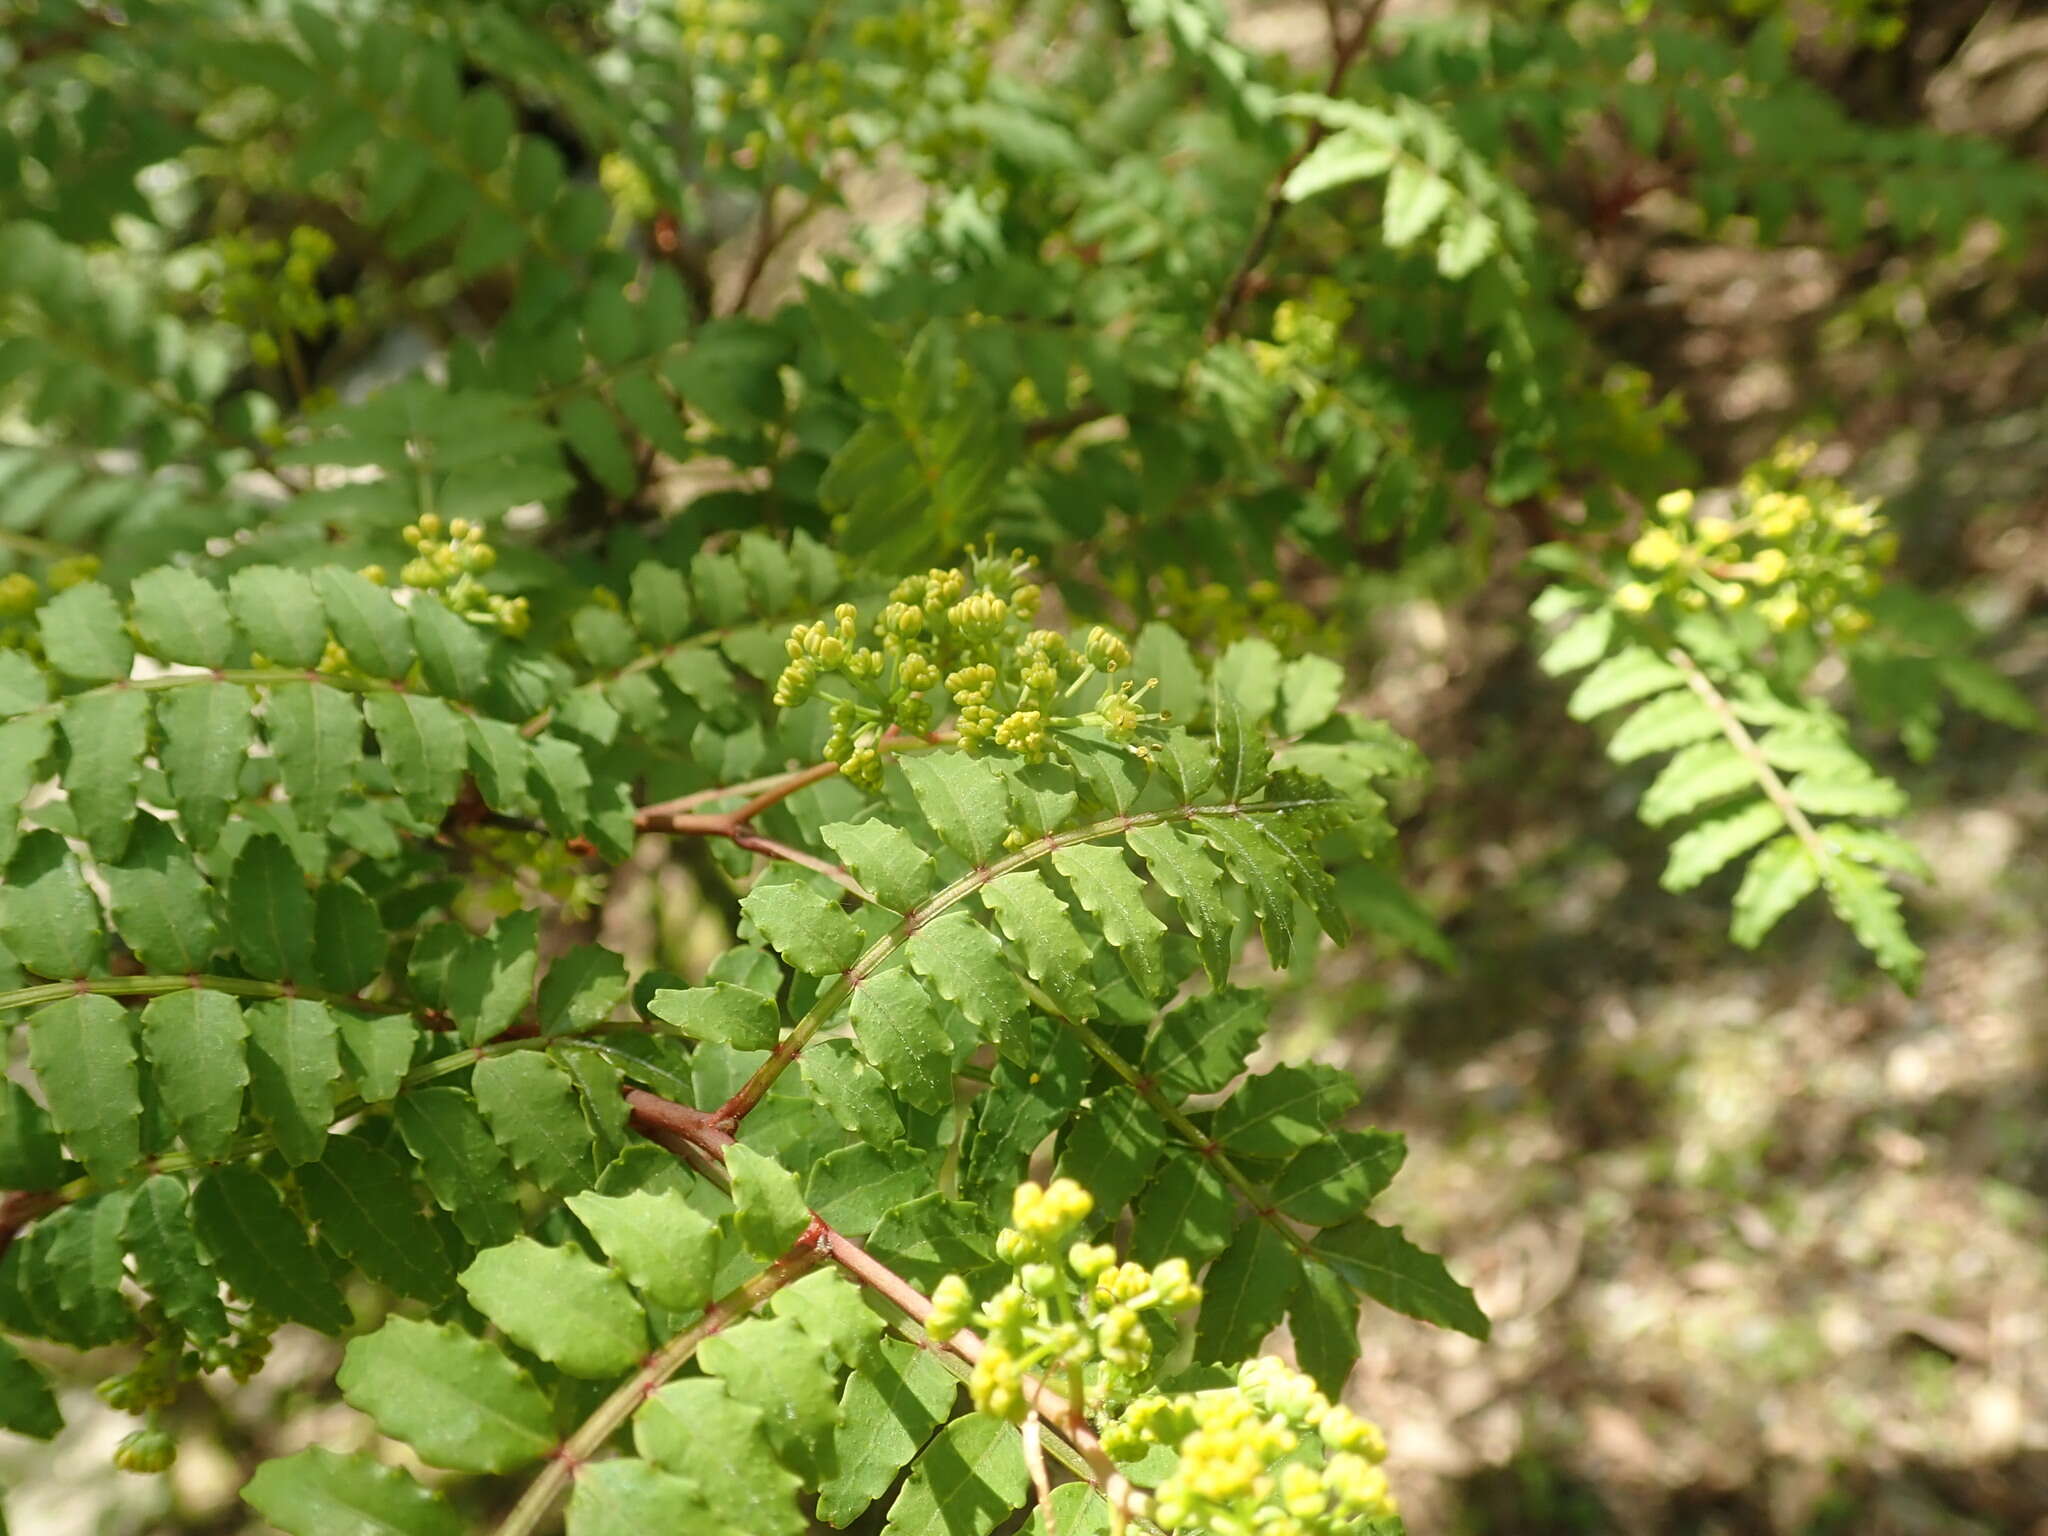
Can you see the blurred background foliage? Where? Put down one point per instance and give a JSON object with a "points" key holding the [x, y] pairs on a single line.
{"points": [[1765, 1240]]}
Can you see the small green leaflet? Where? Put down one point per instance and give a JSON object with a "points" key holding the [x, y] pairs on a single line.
{"points": [[83, 634], [1280, 1112], [1782, 875], [259, 1245], [853, 1188], [1310, 688], [1245, 1293], [966, 1483], [182, 617], [205, 732], [1107, 888], [851, 1091], [1334, 1179], [1055, 954], [49, 918], [965, 801], [455, 655], [964, 962], [24, 745], [105, 735], [1187, 874], [316, 1492], [369, 1213], [377, 1050], [663, 1246], [83, 1051], [775, 1366], [885, 859], [456, 1400], [424, 749], [1203, 1044], [270, 911], [31, 1156], [1712, 844], [316, 734], [806, 929], [349, 940], [1381, 1262], [888, 1409], [833, 1311], [695, 1429], [461, 1164], [369, 625], [1113, 1145], [736, 1016], [280, 613], [899, 1031], [556, 1302], [27, 1405], [1323, 1320], [624, 1497], [1186, 1211], [196, 1043], [1242, 754], [168, 1262], [532, 1108], [161, 904], [768, 1207], [581, 989], [294, 1073], [490, 983]]}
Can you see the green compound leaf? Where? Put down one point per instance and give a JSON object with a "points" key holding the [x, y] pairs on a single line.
{"points": [[158, 1231], [889, 1408], [1333, 1180], [885, 859], [900, 1034], [1245, 1293], [83, 1051], [768, 1204], [1381, 1262], [294, 1073], [697, 1430], [729, 1015], [160, 903], [533, 1110], [1279, 1112], [964, 962], [105, 735], [777, 1368], [456, 1400], [281, 614], [806, 929], [259, 1246], [1055, 954], [1111, 892], [182, 617], [424, 749], [1203, 1044], [368, 1212], [196, 1043], [84, 636], [966, 1483], [965, 801], [316, 1492], [49, 919], [664, 1247], [270, 911], [205, 732], [558, 1303], [316, 734]]}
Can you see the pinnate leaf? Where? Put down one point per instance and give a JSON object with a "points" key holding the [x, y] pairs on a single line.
{"points": [[665, 1248], [806, 929], [558, 1303], [455, 1399], [1381, 1262]]}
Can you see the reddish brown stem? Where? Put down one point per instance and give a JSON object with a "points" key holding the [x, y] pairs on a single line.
{"points": [[22, 1206]]}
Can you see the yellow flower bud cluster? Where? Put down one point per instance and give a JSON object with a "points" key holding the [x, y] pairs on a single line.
{"points": [[1240, 1471], [1214, 614], [972, 631], [271, 288], [448, 559], [1076, 1312], [1799, 549]]}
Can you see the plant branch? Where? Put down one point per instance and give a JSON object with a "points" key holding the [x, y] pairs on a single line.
{"points": [[804, 1256], [834, 997], [1345, 52], [1738, 736]]}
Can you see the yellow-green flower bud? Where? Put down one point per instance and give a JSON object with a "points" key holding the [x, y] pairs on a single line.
{"points": [[19, 594], [146, 1451], [1106, 652], [1675, 503], [1634, 597], [952, 1306], [1657, 550]]}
